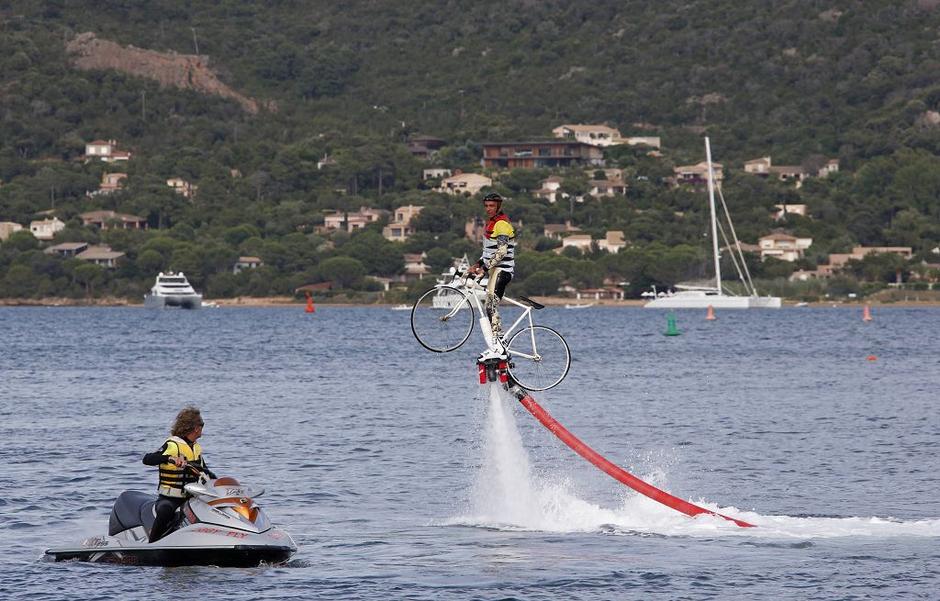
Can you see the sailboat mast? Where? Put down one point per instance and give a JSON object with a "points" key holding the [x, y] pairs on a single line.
{"points": [[711, 206]]}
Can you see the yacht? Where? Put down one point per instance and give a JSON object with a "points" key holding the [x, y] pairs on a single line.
{"points": [[172, 290], [701, 297], [447, 300]]}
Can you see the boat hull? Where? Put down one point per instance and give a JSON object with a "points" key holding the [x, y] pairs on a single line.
{"points": [[698, 300], [236, 556], [189, 301]]}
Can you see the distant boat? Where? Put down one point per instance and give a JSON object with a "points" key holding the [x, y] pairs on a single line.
{"points": [[700, 297], [446, 299], [401, 308], [579, 306], [801, 304], [172, 290]]}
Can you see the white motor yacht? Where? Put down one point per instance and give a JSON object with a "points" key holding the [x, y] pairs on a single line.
{"points": [[172, 290]]}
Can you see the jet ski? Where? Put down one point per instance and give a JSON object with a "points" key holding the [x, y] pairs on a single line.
{"points": [[219, 525]]}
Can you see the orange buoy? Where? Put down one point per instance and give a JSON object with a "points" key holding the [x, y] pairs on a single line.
{"points": [[866, 313], [872, 358], [710, 315], [309, 308]]}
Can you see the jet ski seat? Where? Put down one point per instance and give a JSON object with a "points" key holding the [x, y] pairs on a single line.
{"points": [[131, 509]]}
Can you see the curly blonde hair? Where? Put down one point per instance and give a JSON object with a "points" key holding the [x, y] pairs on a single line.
{"points": [[187, 420]]}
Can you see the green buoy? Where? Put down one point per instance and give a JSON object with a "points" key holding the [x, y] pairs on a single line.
{"points": [[671, 329]]}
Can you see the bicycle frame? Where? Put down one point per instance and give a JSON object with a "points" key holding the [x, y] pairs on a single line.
{"points": [[468, 287]]}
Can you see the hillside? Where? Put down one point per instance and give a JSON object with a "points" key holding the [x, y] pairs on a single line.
{"points": [[798, 80], [183, 71]]}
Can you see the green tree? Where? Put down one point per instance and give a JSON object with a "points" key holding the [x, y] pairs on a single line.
{"points": [[543, 282], [89, 276], [344, 272]]}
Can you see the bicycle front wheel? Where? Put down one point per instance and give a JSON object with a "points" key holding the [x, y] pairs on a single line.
{"points": [[442, 319], [539, 358]]}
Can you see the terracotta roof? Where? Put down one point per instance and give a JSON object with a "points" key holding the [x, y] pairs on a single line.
{"points": [[67, 246], [778, 236], [109, 215], [99, 253], [589, 128]]}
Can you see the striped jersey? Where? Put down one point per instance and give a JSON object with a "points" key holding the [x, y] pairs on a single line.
{"points": [[496, 228]]}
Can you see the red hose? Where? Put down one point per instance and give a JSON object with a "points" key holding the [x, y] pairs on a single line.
{"points": [[612, 470]]}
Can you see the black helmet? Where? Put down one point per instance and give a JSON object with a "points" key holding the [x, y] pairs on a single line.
{"points": [[493, 196]]}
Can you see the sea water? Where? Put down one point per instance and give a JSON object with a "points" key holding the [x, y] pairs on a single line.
{"points": [[401, 477]]}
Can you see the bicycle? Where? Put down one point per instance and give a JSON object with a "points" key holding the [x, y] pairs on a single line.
{"points": [[538, 357]]}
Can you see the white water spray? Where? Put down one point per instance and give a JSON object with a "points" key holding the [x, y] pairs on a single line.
{"points": [[507, 494]]}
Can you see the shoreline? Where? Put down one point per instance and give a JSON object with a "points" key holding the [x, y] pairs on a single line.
{"points": [[548, 301]]}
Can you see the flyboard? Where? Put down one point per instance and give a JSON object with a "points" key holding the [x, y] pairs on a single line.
{"points": [[495, 370]]}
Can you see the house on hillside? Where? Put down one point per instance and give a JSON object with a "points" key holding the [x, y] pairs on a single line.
{"points": [[788, 209], [8, 228], [45, 229], [110, 182], [112, 219], [399, 228], [464, 183], [783, 246], [326, 161], [550, 189], [67, 249], [557, 230], [582, 242], [838, 260], [415, 268], [352, 221], [530, 155], [105, 150], [763, 167], [246, 262], [651, 141], [182, 187], [100, 255], [612, 242], [605, 293], [698, 174], [435, 173], [425, 147], [600, 188], [595, 135]]}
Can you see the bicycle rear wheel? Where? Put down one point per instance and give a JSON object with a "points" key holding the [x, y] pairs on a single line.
{"points": [[442, 319], [539, 358]]}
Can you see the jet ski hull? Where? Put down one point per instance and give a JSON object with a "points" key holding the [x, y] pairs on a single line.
{"points": [[235, 556]]}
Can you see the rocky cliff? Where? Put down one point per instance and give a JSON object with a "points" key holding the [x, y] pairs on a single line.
{"points": [[185, 71]]}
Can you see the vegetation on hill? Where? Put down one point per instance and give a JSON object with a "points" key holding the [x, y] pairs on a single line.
{"points": [[857, 81]]}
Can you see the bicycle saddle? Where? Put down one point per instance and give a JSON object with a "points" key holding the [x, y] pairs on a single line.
{"points": [[531, 302]]}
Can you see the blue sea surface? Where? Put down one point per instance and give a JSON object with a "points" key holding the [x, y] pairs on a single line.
{"points": [[400, 477]]}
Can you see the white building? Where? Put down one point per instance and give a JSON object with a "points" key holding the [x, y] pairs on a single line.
{"points": [[783, 246], [595, 135], [612, 242], [105, 150], [46, 229], [465, 183], [244, 263], [435, 173], [399, 228]]}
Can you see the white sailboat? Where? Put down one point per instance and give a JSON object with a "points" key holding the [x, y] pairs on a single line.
{"points": [[700, 297]]}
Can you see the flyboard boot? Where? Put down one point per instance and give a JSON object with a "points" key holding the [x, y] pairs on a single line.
{"points": [[494, 361]]}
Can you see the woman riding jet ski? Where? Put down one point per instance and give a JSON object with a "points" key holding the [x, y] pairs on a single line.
{"points": [[197, 519]]}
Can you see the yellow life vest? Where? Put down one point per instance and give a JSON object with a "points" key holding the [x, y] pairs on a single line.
{"points": [[173, 478]]}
